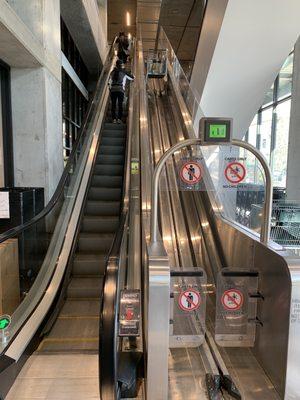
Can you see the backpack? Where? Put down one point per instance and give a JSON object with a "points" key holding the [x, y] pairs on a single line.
{"points": [[117, 77]]}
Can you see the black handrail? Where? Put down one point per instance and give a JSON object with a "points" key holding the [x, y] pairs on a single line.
{"points": [[62, 182], [108, 371]]}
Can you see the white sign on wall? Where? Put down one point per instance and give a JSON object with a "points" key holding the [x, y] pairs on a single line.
{"points": [[4, 205]]}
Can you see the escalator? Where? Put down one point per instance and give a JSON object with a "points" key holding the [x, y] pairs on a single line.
{"points": [[99, 223], [52, 345]]}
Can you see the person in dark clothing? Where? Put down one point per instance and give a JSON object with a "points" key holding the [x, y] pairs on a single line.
{"points": [[117, 83], [123, 46]]}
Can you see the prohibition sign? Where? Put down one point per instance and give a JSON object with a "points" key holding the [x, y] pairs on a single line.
{"points": [[235, 172], [189, 300], [232, 299], [190, 173]]}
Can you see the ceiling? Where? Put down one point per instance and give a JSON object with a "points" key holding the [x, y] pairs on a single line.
{"points": [[181, 20], [116, 17]]}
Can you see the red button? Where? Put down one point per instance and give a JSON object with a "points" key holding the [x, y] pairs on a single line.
{"points": [[129, 314]]}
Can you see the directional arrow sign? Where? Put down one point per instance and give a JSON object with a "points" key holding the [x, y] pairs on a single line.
{"points": [[5, 321]]}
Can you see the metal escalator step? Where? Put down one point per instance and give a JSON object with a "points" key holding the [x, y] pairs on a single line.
{"points": [[111, 150], [103, 194], [112, 141], [107, 181], [95, 242], [109, 169], [85, 288], [69, 345], [89, 264], [114, 127], [77, 308], [100, 224], [73, 333], [102, 207], [110, 159], [115, 134]]}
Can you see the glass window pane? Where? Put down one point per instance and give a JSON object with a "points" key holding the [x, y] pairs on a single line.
{"points": [[269, 97], [285, 78], [279, 156], [252, 132], [265, 133]]}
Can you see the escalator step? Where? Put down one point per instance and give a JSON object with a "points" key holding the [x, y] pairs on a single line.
{"points": [[100, 224], [78, 333], [110, 159], [89, 264], [77, 308], [112, 141], [111, 150], [85, 288], [114, 134], [95, 242], [102, 208], [109, 169], [107, 181], [103, 194], [114, 127]]}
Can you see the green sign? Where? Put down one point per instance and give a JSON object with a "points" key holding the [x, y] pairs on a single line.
{"points": [[134, 167], [4, 322], [217, 131]]}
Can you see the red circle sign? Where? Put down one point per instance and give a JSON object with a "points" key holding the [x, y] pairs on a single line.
{"points": [[232, 299], [191, 173], [235, 172], [189, 300]]}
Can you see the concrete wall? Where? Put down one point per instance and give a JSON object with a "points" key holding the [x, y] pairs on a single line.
{"points": [[30, 43], [252, 42], [37, 128], [31, 46]]}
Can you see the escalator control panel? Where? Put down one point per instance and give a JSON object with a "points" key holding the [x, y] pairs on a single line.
{"points": [[130, 312], [215, 130]]}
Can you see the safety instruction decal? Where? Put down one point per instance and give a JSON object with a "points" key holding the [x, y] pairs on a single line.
{"points": [[235, 172], [191, 173], [232, 299], [189, 300]]}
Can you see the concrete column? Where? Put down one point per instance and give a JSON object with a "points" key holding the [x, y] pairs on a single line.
{"points": [[36, 101], [293, 162]]}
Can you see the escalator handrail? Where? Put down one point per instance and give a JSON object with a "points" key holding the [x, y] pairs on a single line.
{"points": [[108, 379], [62, 182]]}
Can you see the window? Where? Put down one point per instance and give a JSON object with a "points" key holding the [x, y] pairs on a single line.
{"points": [[269, 130], [74, 106], [280, 152], [252, 132], [74, 103], [6, 142], [285, 78], [264, 132]]}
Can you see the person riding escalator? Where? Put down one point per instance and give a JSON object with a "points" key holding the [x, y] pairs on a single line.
{"points": [[117, 84]]}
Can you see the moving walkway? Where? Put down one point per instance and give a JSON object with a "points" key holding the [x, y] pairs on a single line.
{"points": [[198, 233]]}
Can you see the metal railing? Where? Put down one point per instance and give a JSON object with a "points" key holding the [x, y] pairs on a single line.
{"points": [[285, 225]]}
